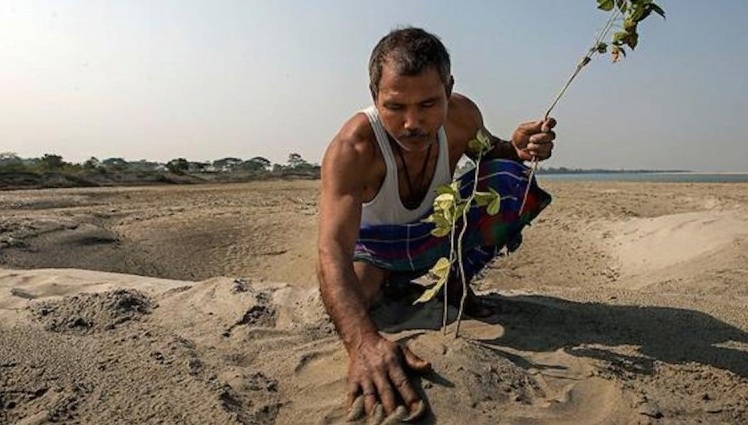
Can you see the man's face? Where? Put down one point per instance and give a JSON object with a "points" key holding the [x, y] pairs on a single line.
{"points": [[412, 108]]}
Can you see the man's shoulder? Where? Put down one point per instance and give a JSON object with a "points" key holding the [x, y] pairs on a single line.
{"points": [[354, 145], [357, 130], [464, 116], [463, 109]]}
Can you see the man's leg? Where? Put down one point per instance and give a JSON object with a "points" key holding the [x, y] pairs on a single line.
{"points": [[474, 261], [371, 279]]}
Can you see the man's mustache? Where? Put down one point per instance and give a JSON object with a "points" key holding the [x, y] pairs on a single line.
{"points": [[412, 134]]}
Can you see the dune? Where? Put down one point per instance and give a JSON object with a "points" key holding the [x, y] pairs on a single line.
{"points": [[677, 245], [625, 305]]}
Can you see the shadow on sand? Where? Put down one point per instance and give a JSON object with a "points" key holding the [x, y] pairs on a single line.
{"points": [[670, 335]]}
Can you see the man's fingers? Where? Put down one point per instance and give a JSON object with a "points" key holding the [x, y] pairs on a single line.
{"points": [[353, 390], [547, 125], [414, 362], [356, 409], [370, 397], [531, 127], [541, 138], [378, 416], [535, 127], [403, 386], [397, 417], [417, 411], [386, 395]]}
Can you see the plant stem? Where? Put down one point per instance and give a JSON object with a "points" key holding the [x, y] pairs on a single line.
{"points": [[582, 63], [446, 283], [459, 245]]}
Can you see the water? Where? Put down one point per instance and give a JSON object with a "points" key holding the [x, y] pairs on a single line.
{"points": [[649, 177]]}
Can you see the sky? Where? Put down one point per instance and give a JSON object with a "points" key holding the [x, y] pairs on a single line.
{"points": [[203, 80]]}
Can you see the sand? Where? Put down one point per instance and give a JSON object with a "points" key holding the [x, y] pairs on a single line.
{"points": [[626, 304]]}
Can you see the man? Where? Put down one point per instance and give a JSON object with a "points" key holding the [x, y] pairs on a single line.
{"points": [[381, 171]]}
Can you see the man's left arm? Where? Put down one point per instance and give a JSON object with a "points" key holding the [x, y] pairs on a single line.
{"points": [[531, 140]]}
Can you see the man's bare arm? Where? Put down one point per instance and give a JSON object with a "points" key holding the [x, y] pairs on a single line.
{"points": [[340, 214], [530, 140], [376, 365]]}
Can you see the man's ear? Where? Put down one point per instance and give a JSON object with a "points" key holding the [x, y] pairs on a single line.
{"points": [[450, 85], [373, 91]]}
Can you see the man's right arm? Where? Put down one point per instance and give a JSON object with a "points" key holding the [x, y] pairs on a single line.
{"points": [[340, 214], [375, 365]]}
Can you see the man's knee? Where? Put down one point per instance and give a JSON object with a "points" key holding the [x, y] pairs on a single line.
{"points": [[371, 278]]}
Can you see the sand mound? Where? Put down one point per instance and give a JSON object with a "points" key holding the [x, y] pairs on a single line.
{"points": [[259, 352], [649, 244], [90, 313], [678, 247]]}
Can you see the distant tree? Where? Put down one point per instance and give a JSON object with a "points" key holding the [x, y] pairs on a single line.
{"points": [[92, 163], [197, 166], [178, 165], [295, 161], [146, 166], [266, 164], [115, 164], [6, 157], [52, 162], [256, 164], [11, 163], [227, 164]]}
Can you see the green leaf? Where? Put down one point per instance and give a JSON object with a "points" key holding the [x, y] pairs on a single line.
{"points": [[474, 146], [437, 218], [449, 216], [657, 9], [606, 5], [495, 205], [441, 221], [441, 268], [645, 14], [444, 189], [459, 209], [480, 144], [629, 25], [441, 271], [602, 48], [444, 201], [632, 39], [440, 231], [482, 198], [619, 36], [637, 13], [482, 137]]}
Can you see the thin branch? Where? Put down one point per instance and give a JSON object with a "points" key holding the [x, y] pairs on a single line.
{"points": [[459, 245], [582, 63], [446, 283]]}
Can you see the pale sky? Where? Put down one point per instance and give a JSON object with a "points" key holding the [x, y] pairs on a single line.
{"points": [[161, 79]]}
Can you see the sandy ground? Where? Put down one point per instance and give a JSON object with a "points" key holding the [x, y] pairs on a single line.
{"points": [[626, 304]]}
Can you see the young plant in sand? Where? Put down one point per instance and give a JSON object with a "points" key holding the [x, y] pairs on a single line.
{"points": [[449, 207]]}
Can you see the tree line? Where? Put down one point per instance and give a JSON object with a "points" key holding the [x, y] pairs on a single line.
{"points": [[295, 165]]}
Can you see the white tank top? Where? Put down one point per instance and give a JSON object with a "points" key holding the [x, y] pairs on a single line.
{"points": [[386, 207]]}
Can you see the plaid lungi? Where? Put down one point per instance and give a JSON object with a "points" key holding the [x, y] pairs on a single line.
{"points": [[412, 249]]}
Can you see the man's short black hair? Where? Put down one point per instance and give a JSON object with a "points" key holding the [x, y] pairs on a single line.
{"points": [[411, 50]]}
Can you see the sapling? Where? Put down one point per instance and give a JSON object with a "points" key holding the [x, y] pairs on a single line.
{"points": [[450, 209]]}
